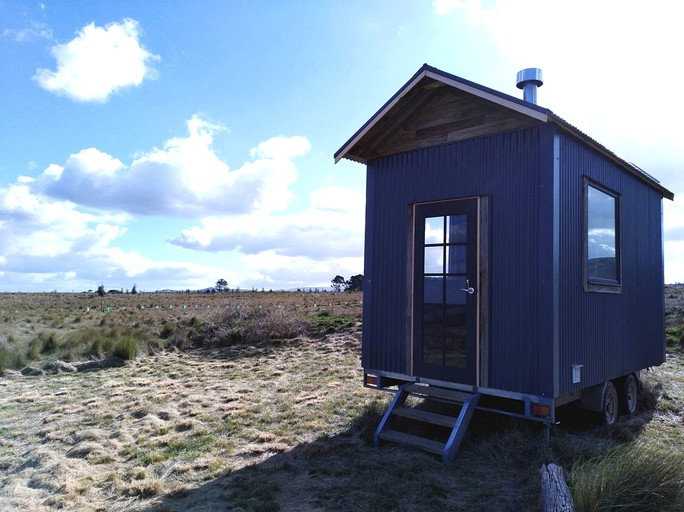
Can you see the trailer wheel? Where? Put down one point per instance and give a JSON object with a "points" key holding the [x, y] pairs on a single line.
{"points": [[609, 414], [629, 395]]}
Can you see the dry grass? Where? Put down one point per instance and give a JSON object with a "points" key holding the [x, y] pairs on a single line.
{"points": [[273, 425]]}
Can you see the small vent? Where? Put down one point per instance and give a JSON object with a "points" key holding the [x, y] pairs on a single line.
{"points": [[529, 80]]}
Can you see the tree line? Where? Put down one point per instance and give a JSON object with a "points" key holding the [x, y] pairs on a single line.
{"points": [[353, 284]]}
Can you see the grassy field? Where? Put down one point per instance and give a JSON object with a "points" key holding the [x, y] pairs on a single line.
{"points": [[253, 401]]}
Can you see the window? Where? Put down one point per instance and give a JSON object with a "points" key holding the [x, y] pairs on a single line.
{"points": [[602, 239]]}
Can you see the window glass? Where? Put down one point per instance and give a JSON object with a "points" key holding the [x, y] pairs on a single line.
{"points": [[434, 260], [434, 230], [602, 246], [456, 258], [457, 229]]}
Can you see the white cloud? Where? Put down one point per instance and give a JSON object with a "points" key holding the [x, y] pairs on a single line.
{"points": [[27, 35], [48, 244], [282, 147], [471, 7], [98, 62], [185, 178], [56, 228], [38, 234], [301, 271], [332, 227], [302, 249], [610, 67]]}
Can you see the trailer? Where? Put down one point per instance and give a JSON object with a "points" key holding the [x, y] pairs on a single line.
{"points": [[512, 263]]}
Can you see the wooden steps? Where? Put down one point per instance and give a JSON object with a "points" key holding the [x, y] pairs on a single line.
{"points": [[463, 404], [418, 442], [426, 416], [450, 395]]}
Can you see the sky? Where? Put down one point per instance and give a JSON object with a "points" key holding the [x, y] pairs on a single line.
{"points": [[171, 144]]}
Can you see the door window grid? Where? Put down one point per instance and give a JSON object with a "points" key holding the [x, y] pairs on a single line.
{"points": [[444, 277]]}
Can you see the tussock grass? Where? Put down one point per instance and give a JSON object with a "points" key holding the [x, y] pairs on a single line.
{"points": [[630, 478], [126, 348], [249, 324], [6, 356], [325, 322]]}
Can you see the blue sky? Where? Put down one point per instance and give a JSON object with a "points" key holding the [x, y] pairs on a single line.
{"points": [[169, 144]]}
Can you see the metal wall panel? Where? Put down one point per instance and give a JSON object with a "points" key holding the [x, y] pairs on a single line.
{"points": [[542, 319], [609, 334], [503, 167]]}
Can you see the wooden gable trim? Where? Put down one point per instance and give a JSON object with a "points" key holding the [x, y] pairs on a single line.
{"points": [[374, 120], [493, 99]]}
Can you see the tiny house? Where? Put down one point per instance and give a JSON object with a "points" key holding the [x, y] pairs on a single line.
{"points": [[512, 263]]}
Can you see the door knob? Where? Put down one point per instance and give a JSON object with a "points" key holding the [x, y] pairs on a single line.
{"points": [[469, 290]]}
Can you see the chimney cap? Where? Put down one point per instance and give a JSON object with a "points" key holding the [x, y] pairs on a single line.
{"points": [[529, 75]]}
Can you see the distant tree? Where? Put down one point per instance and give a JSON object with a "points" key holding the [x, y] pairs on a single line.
{"points": [[101, 292], [355, 284], [134, 289], [337, 283], [221, 285]]}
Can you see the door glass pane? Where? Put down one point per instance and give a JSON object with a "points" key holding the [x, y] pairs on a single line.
{"points": [[457, 229], [454, 290], [434, 260], [456, 259], [434, 230], [433, 290], [455, 352], [433, 320], [433, 350], [455, 321]]}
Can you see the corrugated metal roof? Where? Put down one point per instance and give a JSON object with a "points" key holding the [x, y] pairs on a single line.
{"points": [[629, 167], [515, 106]]}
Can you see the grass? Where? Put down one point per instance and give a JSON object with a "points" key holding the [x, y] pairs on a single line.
{"points": [[630, 478], [38, 327], [326, 323], [278, 423]]}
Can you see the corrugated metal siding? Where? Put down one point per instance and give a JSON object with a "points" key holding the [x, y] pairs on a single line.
{"points": [[609, 334], [503, 167]]}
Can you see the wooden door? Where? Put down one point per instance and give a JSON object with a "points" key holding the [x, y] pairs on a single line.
{"points": [[445, 294]]}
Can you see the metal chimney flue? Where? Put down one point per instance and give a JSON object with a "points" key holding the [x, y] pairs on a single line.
{"points": [[529, 80]]}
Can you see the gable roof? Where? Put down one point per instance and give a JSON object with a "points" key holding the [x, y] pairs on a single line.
{"points": [[435, 107]]}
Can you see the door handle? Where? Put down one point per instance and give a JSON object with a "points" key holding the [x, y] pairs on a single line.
{"points": [[469, 290]]}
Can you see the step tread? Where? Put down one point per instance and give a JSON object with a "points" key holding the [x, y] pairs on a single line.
{"points": [[419, 442], [430, 417], [443, 393]]}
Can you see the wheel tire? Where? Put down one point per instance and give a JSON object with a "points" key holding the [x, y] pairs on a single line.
{"points": [[609, 414], [629, 395]]}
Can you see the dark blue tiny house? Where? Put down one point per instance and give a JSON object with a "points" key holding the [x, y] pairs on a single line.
{"points": [[512, 263]]}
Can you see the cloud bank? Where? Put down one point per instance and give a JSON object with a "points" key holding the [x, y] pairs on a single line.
{"points": [[594, 56], [98, 62], [67, 224], [185, 178], [329, 227]]}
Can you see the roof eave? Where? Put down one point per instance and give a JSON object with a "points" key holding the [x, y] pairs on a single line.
{"points": [[630, 168], [343, 152]]}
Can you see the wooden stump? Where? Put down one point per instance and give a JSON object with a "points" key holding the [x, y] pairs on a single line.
{"points": [[555, 495]]}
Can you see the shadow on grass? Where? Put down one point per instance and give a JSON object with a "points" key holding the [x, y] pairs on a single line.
{"points": [[496, 469], [346, 473]]}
